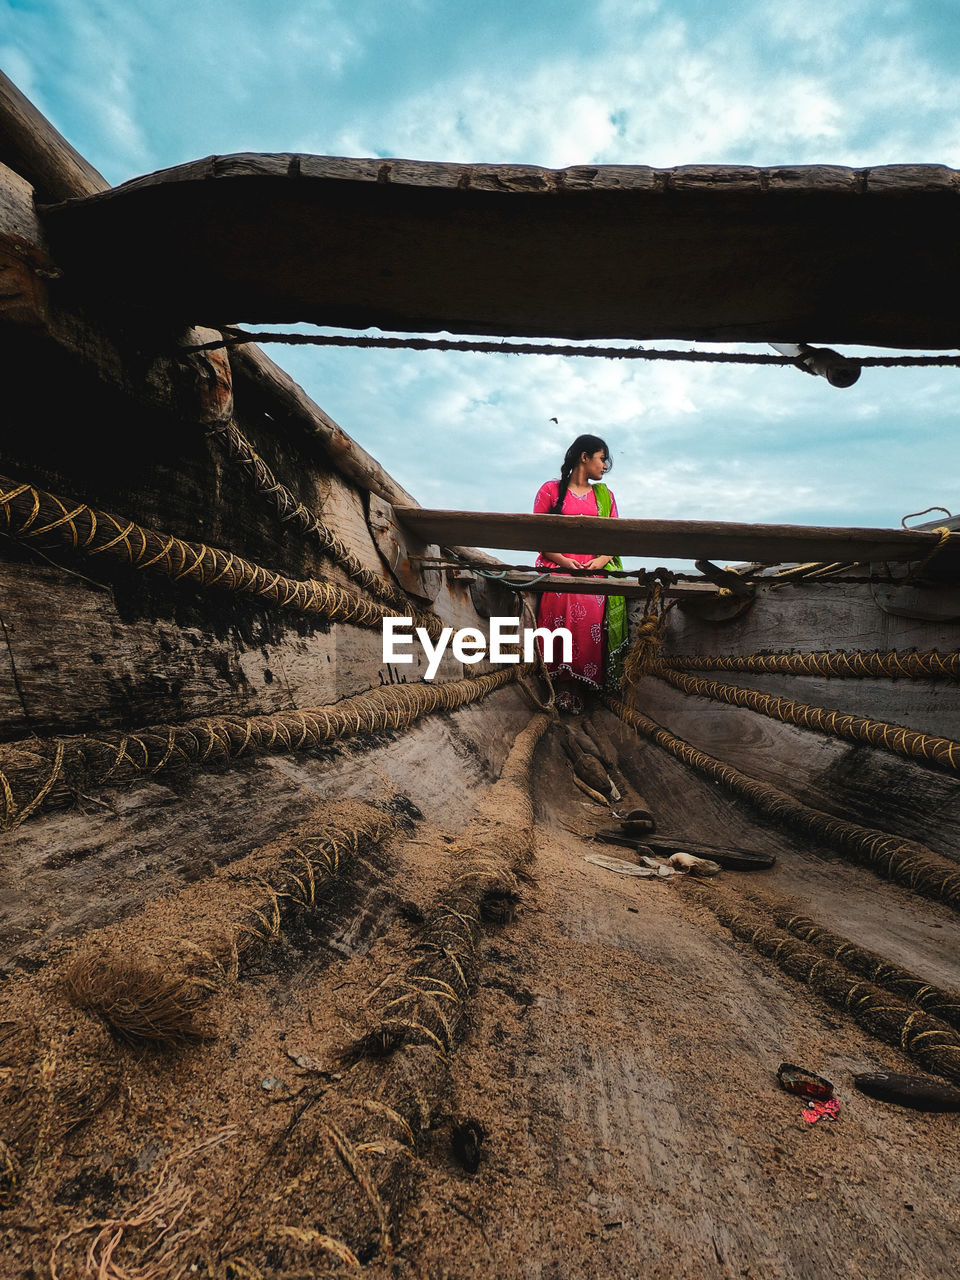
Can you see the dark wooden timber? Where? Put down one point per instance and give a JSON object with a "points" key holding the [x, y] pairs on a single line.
{"points": [[626, 587], [813, 253], [31, 146], [694, 539]]}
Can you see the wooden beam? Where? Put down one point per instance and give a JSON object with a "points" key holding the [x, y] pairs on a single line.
{"points": [[626, 587], [689, 539], [836, 255], [32, 147]]}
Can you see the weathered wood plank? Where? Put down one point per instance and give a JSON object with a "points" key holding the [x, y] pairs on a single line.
{"points": [[922, 705], [81, 869], [35, 149], [859, 783], [808, 619], [519, 250], [696, 539], [880, 915]]}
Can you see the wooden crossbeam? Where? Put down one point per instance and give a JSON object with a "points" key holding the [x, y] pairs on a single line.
{"points": [[836, 255], [629, 588], [687, 539]]}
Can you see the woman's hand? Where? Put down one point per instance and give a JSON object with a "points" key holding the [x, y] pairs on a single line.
{"points": [[598, 562], [561, 561]]}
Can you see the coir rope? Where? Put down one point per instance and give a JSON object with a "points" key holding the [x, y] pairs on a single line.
{"points": [[32, 515], [292, 511], [943, 753], [43, 772], [905, 861], [930, 665]]}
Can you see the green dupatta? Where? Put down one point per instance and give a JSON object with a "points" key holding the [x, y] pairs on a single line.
{"points": [[616, 611]]}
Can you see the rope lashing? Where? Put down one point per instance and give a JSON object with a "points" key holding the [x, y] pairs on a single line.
{"points": [[867, 964], [41, 772], [233, 337], [643, 655], [929, 665], [943, 753], [426, 1003], [917, 569], [32, 515], [897, 1022], [905, 861], [292, 511]]}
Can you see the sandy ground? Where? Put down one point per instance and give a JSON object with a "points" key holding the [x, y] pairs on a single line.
{"points": [[620, 1065]]}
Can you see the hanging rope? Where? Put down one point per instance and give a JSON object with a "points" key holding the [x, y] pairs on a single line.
{"points": [[930, 665], [643, 656], [292, 511], [235, 337], [42, 772], [905, 861]]}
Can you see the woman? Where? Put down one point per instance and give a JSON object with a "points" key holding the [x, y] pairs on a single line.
{"points": [[597, 623]]}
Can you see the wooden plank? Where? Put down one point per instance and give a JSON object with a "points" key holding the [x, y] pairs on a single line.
{"points": [[626, 587], [694, 539], [867, 256], [31, 145], [855, 782]]}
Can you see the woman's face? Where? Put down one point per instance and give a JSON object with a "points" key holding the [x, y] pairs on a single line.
{"points": [[595, 463]]}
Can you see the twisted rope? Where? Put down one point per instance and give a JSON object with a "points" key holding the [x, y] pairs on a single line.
{"points": [[943, 753], [292, 511], [39, 773], [897, 1022], [233, 337], [931, 665], [29, 515], [867, 964], [426, 1004], [643, 656], [905, 861]]}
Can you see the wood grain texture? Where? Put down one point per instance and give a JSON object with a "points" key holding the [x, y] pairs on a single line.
{"points": [[34, 148], [78, 870], [699, 539], [858, 783], [808, 619], [523, 251]]}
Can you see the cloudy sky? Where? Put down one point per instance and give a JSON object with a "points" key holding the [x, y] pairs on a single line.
{"points": [[144, 85]]}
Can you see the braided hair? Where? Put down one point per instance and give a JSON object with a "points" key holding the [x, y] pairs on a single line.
{"points": [[583, 444]]}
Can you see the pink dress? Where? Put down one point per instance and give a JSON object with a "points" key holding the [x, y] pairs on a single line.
{"points": [[581, 615]]}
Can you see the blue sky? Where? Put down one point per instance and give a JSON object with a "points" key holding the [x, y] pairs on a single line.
{"points": [[141, 86]]}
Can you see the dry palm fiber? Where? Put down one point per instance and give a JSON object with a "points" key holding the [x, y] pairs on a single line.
{"points": [[425, 1005], [149, 977], [883, 973], [904, 861], [401, 1070], [930, 665], [941, 753], [35, 516], [53, 771], [924, 1037], [292, 511], [58, 1068], [140, 1002]]}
